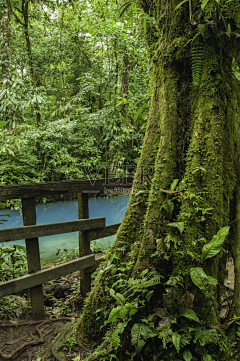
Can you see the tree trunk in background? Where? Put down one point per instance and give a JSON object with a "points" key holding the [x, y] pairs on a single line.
{"points": [[198, 95], [5, 49], [25, 13]]}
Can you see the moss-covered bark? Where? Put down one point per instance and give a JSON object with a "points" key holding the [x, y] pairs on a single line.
{"points": [[190, 137]]}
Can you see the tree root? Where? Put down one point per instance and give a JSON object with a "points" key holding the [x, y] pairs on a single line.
{"points": [[30, 343]]}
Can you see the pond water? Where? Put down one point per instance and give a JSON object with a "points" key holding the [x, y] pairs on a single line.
{"points": [[111, 208]]}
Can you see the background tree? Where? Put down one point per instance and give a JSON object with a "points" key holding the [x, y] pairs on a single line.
{"points": [[67, 65]]}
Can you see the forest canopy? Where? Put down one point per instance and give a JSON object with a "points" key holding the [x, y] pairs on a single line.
{"points": [[75, 88]]}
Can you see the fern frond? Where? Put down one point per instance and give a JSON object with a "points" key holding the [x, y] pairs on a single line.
{"points": [[237, 19], [197, 63]]}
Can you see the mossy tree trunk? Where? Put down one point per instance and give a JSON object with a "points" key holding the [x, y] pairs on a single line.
{"points": [[192, 135]]}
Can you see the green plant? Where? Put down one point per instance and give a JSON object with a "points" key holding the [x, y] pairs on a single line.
{"points": [[13, 261], [197, 62]]}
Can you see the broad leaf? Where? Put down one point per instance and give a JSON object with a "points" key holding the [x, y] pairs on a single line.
{"points": [[187, 355], [190, 314], [212, 248], [176, 338], [199, 277], [178, 225]]}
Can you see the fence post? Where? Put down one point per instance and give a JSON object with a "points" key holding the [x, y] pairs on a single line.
{"points": [[84, 245], [33, 257]]}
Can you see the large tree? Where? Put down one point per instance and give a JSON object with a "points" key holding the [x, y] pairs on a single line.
{"points": [[160, 292]]}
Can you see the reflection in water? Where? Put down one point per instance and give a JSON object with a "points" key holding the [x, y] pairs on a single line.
{"points": [[111, 208]]}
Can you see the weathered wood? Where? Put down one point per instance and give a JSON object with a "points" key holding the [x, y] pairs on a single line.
{"points": [[30, 190], [33, 257], [84, 245], [103, 232], [93, 268], [40, 277], [40, 230]]}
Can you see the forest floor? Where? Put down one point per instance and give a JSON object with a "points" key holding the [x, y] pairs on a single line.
{"points": [[23, 339]]}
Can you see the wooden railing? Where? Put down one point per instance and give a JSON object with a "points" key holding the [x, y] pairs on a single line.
{"points": [[89, 229]]}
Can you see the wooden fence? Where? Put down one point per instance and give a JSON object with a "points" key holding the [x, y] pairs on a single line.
{"points": [[89, 229]]}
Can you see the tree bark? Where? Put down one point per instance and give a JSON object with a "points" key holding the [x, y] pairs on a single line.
{"points": [[205, 161]]}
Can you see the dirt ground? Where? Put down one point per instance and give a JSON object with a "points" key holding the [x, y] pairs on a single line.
{"points": [[23, 339]]}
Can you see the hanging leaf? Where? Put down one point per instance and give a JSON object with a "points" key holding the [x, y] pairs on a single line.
{"points": [[215, 245], [199, 277], [178, 225], [187, 355], [180, 4], [190, 314]]}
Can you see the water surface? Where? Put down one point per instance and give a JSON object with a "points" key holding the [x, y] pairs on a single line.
{"points": [[111, 208]]}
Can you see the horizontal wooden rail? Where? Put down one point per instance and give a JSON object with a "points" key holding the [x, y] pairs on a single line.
{"points": [[103, 232], [40, 277], [30, 190], [40, 230]]}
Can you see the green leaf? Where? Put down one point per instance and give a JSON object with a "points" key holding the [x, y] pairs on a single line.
{"points": [[199, 277], [2, 123], [190, 314], [178, 225], [174, 184], [180, 4], [212, 281], [149, 295], [228, 32], [176, 338], [123, 8], [204, 3], [169, 207], [235, 69], [114, 314], [21, 248], [140, 110], [140, 345], [215, 245], [207, 357], [187, 355]]}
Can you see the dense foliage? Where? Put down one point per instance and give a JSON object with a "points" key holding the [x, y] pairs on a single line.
{"points": [[74, 90]]}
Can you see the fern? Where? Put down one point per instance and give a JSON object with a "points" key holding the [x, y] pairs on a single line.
{"points": [[237, 19], [197, 63], [205, 337]]}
